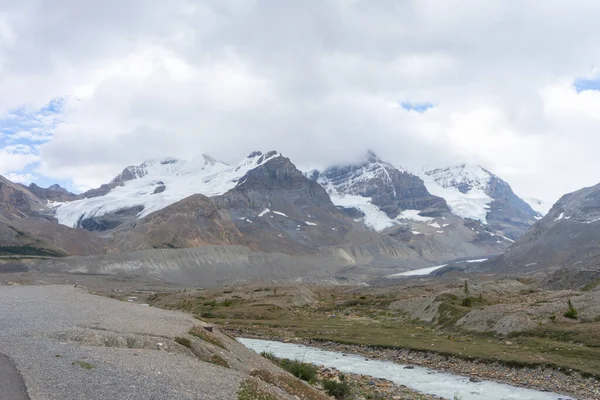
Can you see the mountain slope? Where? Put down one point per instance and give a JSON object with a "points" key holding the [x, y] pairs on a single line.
{"points": [[18, 202], [567, 237], [475, 193], [27, 228]]}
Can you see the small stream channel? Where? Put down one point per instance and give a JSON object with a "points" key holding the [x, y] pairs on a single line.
{"points": [[421, 379]]}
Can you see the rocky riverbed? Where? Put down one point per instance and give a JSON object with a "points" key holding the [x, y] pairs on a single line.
{"points": [[367, 387], [546, 379]]}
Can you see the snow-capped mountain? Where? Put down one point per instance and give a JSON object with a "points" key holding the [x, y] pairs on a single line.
{"points": [[394, 201], [542, 207], [156, 184], [473, 192], [263, 203], [383, 194]]}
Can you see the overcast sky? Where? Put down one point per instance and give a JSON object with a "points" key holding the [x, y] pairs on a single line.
{"points": [[87, 88]]}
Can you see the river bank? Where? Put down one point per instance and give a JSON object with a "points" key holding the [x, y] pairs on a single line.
{"points": [[570, 383]]}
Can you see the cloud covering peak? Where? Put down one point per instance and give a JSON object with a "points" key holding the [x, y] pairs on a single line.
{"points": [[419, 82]]}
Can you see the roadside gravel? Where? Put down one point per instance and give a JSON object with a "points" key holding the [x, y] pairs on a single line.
{"points": [[37, 328]]}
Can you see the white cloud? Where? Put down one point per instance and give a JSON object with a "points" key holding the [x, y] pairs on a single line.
{"points": [[16, 158], [320, 82], [24, 178]]}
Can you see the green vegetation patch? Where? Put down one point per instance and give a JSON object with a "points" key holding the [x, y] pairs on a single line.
{"points": [[341, 390], [201, 333], [251, 389], [83, 364], [290, 385]]}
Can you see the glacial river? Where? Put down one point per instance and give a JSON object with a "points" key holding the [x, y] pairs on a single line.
{"points": [[422, 379]]}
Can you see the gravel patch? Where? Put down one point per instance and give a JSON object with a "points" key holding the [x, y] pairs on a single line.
{"points": [[54, 335]]}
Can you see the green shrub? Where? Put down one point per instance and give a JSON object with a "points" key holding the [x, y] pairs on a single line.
{"points": [[304, 371], [467, 302], [571, 312], [340, 390], [269, 356]]}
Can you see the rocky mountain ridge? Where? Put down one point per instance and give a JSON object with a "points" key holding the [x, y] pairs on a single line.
{"points": [[568, 237]]}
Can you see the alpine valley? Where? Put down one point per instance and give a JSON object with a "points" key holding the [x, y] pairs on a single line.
{"points": [[263, 217], [445, 268]]}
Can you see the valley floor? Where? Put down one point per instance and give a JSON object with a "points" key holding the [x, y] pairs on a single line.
{"points": [[555, 354], [512, 330]]}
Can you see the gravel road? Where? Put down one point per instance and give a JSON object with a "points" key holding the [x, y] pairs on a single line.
{"points": [[69, 344]]}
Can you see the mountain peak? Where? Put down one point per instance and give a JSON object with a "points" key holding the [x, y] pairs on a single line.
{"points": [[210, 160], [380, 191], [372, 157], [474, 192], [257, 153]]}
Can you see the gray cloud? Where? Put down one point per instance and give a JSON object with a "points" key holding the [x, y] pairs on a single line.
{"points": [[320, 81]]}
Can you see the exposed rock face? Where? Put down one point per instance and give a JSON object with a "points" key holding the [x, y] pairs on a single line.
{"points": [[567, 237], [159, 188], [110, 220], [508, 213], [52, 193], [18, 202], [473, 192], [98, 192], [27, 228]]}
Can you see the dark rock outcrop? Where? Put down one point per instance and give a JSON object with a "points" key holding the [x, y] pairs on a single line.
{"points": [[52, 193], [110, 220]]}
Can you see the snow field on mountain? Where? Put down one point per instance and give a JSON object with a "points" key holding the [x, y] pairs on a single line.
{"points": [[181, 179], [475, 203]]}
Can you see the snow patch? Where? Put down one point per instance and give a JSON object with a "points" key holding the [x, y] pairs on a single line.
{"points": [[542, 207], [280, 213], [264, 212], [417, 272], [310, 223], [413, 215], [373, 216]]}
